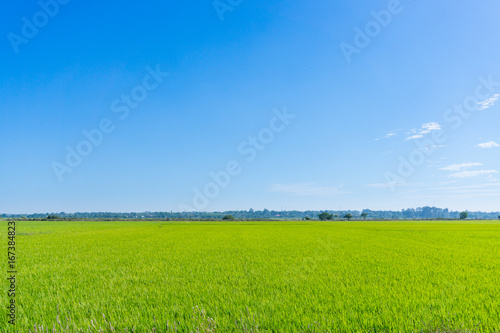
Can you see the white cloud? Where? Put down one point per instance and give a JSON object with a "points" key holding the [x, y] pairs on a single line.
{"points": [[458, 167], [425, 129], [456, 196], [469, 174], [394, 184], [418, 136], [305, 189], [487, 145], [468, 187], [387, 185], [488, 102], [448, 182], [492, 179], [390, 134], [429, 147]]}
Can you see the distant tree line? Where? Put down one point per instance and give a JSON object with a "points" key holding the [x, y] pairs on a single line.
{"points": [[405, 214]]}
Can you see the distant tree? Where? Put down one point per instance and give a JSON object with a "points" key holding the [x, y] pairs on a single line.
{"points": [[307, 218], [325, 216], [499, 217], [348, 216], [364, 215], [464, 215], [228, 218], [52, 217]]}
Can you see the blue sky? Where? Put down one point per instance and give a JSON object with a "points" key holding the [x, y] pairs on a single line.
{"points": [[240, 104]]}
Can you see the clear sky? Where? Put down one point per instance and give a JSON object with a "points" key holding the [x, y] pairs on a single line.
{"points": [[140, 105]]}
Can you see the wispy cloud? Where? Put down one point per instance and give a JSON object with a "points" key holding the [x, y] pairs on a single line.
{"points": [[429, 147], [488, 102], [492, 179], [456, 196], [395, 184], [306, 189], [417, 136], [424, 129], [416, 133], [448, 182], [427, 128], [470, 174], [488, 145], [458, 167], [467, 174], [469, 187], [454, 192], [387, 185], [390, 134]]}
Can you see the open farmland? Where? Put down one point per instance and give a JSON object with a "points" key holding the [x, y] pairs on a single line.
{"points": [[257, 276]]}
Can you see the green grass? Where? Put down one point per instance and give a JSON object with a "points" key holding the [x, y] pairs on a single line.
{"points": [[256, 277]]}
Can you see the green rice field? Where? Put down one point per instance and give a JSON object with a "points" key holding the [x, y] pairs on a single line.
{"points": [[305, 276]]}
